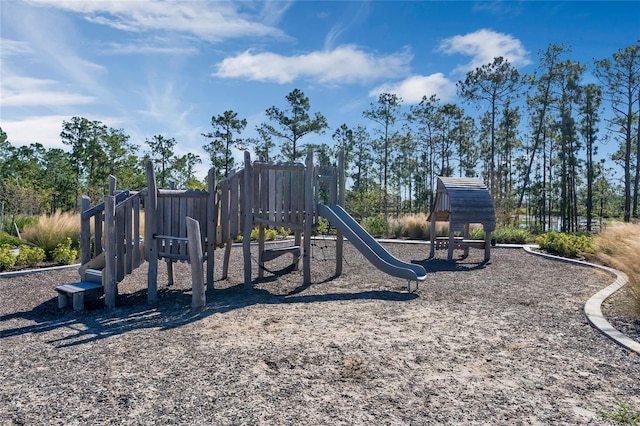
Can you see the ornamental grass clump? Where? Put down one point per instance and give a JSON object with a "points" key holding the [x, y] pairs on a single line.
{"points": [[619, 247], [54, 229]]}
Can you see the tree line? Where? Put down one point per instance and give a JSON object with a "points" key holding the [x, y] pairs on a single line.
{"points": [[532, 139]]}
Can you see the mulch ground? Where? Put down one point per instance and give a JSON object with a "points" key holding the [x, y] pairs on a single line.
{"points": [[500, 343]]}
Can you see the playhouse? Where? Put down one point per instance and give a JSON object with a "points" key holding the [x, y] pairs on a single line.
{"points": [[461, 202]]}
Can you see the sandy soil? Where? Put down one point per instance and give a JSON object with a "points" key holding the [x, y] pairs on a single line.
{"points": [[501, 343]]}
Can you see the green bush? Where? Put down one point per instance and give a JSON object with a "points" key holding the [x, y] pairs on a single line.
{"points": [[476, 234], [503, 235], [376, 225], [323, 226], [64, 253], [7, 259], [511, 235], [285, 232], [567, 245], [29, 256], [10, 240]]}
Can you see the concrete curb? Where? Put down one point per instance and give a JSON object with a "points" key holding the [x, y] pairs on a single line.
{"points": [[592, 308], [35, 271]]}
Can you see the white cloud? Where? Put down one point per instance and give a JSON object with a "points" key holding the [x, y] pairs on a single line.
{"points": [[344, 64], [412, 89], [483, 46], [143, 48], [14, 47], [45, 129], [26, 91], [42, 129], [210, 21]]}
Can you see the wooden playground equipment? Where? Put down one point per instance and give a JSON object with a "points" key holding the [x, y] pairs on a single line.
{"points": [[187, 226], [461, 202]]}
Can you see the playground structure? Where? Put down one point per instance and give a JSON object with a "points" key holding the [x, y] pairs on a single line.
{"points": [[187, 226], [461, 202]]}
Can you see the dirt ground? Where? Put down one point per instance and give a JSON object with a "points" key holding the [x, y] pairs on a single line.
{"points": [[503, 343]]}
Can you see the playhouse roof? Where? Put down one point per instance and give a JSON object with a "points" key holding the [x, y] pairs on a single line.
{"points": [[462, 201]]}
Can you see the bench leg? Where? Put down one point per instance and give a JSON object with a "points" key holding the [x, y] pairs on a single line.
{"points": [[78, 301], [63, 300]]}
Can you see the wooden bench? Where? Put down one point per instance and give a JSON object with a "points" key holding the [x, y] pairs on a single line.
{"points": [[75, 292]]}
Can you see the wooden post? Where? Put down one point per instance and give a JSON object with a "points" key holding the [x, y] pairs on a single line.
{"points": [[341, 200], [260, 250], [432, 234], [85, 231], [109, 277], [112, 185], [308, 218], [247, 220], [151, 247], [466, 237], [198, 297], [452, 242], [487, 246], [212, 219]]}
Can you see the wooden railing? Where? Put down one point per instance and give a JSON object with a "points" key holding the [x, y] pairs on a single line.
{"points": [[113, 243]]}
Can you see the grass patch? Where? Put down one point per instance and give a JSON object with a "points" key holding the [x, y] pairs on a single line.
{"points": [[622, 414]]}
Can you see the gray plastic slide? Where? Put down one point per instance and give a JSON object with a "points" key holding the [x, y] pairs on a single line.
{"points": [[369, 247]]}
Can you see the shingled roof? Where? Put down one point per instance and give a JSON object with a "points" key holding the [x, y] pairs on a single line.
{"points": [[461, 201]]}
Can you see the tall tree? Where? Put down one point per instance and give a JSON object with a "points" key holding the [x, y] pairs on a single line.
{"points": [[590, 101], [620, 76], [385, 113], [540, 103], [58, 168], [424, 114], [493, 83], [81, 135], [223, 139], [184, 168], [343, 137], [263, 145], [161, 153], [568, 145], [293, 123]]}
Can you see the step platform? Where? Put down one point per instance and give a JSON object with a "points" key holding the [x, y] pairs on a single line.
{"points": [[74, 292]]}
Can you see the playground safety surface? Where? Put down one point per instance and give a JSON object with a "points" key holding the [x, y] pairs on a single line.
{"points": [[502, 343]]}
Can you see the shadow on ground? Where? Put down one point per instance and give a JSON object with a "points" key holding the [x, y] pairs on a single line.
{"points": [[173, 310]]}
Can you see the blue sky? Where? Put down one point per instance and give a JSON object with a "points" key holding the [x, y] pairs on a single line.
{"points": [[166, 67]]}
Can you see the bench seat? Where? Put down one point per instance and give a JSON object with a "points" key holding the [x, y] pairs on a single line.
{"points": [[76, 292]]}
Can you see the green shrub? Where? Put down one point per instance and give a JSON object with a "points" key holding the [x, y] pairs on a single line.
{"points": [[270, 234], [511, 235], [64, 253], [323, 226], [476, 233], [376, 225], [10, 240], [7, 259], [285, 232], [567, 245], [29, 256]]}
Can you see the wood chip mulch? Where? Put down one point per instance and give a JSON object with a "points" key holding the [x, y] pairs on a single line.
{"points": [[503, 343]]}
